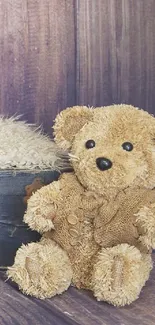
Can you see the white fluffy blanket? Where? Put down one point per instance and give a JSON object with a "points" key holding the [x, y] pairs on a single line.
{"points": [[24, 146]]}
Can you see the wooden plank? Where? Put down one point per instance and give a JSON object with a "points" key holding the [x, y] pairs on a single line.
{"points": [[37, 62], [115, 52], [17, 309], [74, 307], [112, 46]]}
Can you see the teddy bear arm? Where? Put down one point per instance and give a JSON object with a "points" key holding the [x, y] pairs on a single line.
{"points": [[145, 223], [42, 208]]}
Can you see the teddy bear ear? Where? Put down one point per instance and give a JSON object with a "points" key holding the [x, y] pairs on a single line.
{"points": [[69, 122]]}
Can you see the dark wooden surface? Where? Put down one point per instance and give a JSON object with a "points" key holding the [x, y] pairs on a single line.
{"points": [[75, 307], [55, 54]]}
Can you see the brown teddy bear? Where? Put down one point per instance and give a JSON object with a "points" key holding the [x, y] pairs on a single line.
{"points": [[98, 222]]}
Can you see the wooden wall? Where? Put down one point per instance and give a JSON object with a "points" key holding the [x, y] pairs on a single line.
{"points": [[58, 53]]}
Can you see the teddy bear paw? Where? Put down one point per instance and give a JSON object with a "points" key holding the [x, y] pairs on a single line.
{"points": [[119, 274], [41, 269]]}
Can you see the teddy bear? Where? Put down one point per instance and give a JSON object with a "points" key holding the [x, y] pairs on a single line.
{"points": [[97, 221]]}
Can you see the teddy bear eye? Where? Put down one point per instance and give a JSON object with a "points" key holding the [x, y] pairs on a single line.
{"points": [[90, 144], [128, 146]]}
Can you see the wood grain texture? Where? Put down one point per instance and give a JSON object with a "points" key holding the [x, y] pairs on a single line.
{"points": [[37, 65], [75, 307], [115, 52], [55, 54]]}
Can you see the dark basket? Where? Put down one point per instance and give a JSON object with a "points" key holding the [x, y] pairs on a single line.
{"points": [[13, 232]]}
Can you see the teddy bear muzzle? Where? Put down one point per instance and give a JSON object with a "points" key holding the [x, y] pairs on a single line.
{"points": [[103, 163]]}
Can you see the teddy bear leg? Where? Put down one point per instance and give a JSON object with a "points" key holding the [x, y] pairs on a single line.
{"points": [[120, 273], [41, 269]]}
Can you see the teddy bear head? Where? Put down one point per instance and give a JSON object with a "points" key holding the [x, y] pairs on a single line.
{"points": [[110, 148]]}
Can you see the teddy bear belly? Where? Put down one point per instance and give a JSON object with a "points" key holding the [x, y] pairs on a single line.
{"points": [[81, 248], [82, 260]]}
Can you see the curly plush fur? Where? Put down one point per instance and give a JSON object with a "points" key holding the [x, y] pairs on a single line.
{"points": [[24, 146], [98, 222]]}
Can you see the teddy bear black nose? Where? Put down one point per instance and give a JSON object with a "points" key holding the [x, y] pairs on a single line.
{"points": [[103, 163]]}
